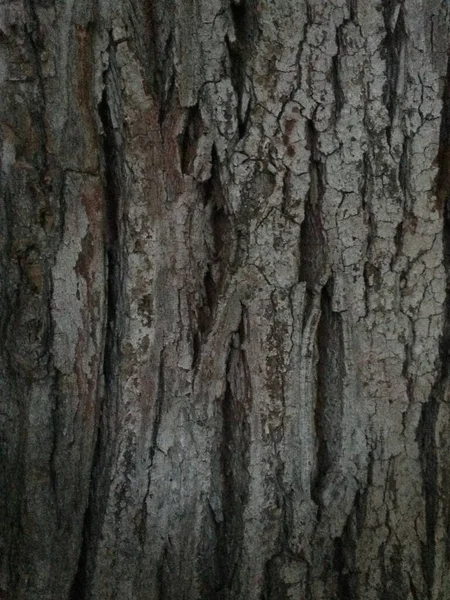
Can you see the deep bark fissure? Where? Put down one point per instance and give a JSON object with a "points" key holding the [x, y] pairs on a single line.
{"points": [[240, 51], [99, 469], [161, 576], [274, 587], [159, 403], [344, 550], [394, 43], [404, 170], [426, 432], [429, 463], [36, 46], [234, 457], [312, 242], [156, 26], [371, 275], [165, 102], [352, 6], [328, 407], [220, 255], [339, 98], [408, 220], [189, 138], [220, 219]]}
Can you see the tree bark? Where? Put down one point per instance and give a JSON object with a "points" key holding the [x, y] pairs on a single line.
{"points": [[224, 264]]}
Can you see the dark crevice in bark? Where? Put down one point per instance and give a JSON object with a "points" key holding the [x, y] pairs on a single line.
{"points": [[240, 50], [244, 119], [443, 161], [404, 170], [237, 76], [426, 432], [165, 102], [398, 242], [153, 24], [408, 220], [309, 301], [196, 349], [362, 497], [371, 273], [343, 562], [158, 408], [220, 259], [275, 588], [352, 6], [337, 87], [36, 47], [429, 463], [412, 589], [396, 583], [312, 242], [189, 138], [328, 407], [220, 218], [207, 309], [160, 395], [162, 575], [113, 175], [381, 555], [103, 447], [365, 175], [345, 546], [55, 428], [392, 49], [166, 78], [234, 459], [289, 208]]}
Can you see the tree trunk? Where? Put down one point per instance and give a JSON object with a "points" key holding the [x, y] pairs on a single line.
{"points": [[224, 260]]}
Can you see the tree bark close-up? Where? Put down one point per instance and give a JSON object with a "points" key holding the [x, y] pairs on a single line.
{"points": [[225, 326]]}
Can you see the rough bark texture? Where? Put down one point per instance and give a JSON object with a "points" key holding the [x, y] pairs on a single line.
{"points": [[224, 262]]}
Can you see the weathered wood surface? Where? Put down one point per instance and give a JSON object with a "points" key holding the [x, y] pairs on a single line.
{"points": [[224, 255]]}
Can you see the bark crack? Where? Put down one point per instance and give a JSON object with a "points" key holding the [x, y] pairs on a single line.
{"points": [[240, 50], [36, 44], [220, 258], [112, 173], [234, 457], [154, 441], [394, 45], [329, 392], [189, 138], [312, 242]]}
